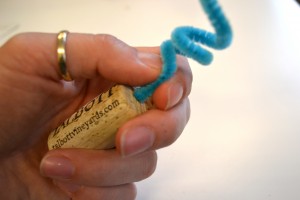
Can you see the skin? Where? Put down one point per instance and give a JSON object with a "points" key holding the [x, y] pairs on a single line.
{"points": [[34, 100]]}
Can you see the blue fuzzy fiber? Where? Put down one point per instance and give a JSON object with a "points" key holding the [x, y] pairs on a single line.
{"points": [[186, 41]]}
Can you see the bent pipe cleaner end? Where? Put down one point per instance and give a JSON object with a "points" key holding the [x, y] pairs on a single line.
{"points": [[187, 41]]}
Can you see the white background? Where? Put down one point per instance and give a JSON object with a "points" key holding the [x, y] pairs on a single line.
{"points": [[243, 138]]}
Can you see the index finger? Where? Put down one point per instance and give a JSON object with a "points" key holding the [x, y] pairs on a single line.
{"points": [[88, 56]]}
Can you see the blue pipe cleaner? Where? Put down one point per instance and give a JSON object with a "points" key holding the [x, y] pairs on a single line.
{"points": [[186, 41]]}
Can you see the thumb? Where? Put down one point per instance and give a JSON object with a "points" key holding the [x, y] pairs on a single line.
{"points": [[110, 57], [87, 56]]}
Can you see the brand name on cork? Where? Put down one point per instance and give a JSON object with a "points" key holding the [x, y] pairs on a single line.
{"points": [[83, 125]]}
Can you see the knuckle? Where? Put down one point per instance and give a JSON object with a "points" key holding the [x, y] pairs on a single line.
{"points": [[111, 51], [106, 40], [18, 37], [24, 48], [16, 41], [110, 39]]}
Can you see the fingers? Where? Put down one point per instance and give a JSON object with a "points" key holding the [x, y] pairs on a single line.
{"points": [[124, 192], [111, 58], [177, 88], [87, 55], [97, 168], [153, 130], [160, 127]]}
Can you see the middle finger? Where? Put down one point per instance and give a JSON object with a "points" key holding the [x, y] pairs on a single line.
{"points": [[97, 168]]}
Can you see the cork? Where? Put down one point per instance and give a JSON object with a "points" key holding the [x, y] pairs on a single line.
{"points": [[94, 126]]}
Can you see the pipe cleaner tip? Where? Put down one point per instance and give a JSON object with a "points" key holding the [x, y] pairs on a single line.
{"points": [[143, 93], [188, 41]]}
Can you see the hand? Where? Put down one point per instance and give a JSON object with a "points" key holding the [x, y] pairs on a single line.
{"points": [[34, 101]]}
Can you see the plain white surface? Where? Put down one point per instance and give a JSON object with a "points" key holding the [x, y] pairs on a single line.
{"points": [[243, 138]]}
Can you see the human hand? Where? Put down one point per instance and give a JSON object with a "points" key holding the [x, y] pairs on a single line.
{"points": [[35, 101]]}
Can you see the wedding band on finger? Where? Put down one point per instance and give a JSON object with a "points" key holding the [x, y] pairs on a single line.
{"points": [[61, 55]]}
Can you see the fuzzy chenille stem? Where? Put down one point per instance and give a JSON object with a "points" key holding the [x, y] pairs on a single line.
{"points": [[187, 41]]}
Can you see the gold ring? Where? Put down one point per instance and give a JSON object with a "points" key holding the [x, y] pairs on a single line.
{"points": [[61, 55]]}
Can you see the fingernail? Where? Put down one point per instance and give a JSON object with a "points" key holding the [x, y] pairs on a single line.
{"points": [[150, 60], [175, 92], [57, 167], [137, 140]]}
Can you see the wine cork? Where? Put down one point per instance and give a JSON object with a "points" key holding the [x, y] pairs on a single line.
{"points": [[94, 126]]}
